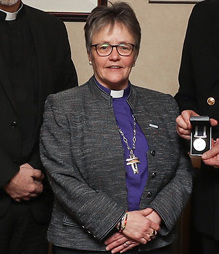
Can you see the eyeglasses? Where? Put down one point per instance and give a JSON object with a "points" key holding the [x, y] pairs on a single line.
{"points": [[105, 49]]}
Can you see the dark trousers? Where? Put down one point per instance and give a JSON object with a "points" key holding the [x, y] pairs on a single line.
{"points": [[59, 250], [203, 244], [20, 233]]}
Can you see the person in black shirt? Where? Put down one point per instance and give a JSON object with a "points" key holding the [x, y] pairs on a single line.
{"points": [[198, 95], [35, 61]]}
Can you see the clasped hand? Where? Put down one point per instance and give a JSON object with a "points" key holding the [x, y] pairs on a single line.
{"points": [[26, 184], [140, 229]]}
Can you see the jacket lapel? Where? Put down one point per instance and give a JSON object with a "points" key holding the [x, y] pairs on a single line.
{"points": [[145, 117]]}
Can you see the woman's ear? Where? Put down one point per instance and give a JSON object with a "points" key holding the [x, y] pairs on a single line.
{"points": [[89, 58], [135, 58]]}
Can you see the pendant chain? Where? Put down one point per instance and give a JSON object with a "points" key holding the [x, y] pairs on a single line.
{"points": [[131, 150], [133, 160]]}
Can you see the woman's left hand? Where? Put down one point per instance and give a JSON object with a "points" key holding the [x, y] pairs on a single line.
{"points": [[120, 243]]}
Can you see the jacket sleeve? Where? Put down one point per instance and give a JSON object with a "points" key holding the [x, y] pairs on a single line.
{"points": [[9, 168], [66, 79], [172, 198], [94, 210]]}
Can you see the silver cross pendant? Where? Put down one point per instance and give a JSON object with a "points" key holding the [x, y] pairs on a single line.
{"points": [[133, 160]]}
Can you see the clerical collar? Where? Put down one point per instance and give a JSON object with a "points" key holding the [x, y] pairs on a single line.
{"points": [[9, 16], [115, 94]]}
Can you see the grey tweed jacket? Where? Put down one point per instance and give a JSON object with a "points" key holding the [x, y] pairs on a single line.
{"points": [[82, 152]]}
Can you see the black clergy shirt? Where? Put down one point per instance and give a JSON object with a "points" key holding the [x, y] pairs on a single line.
{"points": [[19, 55]]}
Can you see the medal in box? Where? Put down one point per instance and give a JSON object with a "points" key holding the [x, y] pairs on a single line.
{"points": [[201, 135]]}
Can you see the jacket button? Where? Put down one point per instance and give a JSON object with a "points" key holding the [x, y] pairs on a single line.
{"points": [[153, 174], [14, 124], [153, 153], [149, 194], [211, 101]]}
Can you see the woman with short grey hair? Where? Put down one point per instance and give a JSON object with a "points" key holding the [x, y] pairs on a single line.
{"points": [[111, 151]]}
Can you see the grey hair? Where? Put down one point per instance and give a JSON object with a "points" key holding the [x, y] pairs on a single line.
{"points": [[102, 16]]}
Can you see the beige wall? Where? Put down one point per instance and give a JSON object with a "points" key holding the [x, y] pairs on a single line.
{"points": [[163, 30]]}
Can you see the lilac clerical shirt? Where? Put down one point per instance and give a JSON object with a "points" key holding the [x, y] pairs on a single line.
{"points": [[123, 114]]}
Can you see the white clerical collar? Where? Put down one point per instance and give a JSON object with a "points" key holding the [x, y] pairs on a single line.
{"points": [[10, 16], [117, 94]]}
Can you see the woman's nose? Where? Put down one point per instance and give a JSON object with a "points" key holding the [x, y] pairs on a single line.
{"points": [[114, 54]]}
